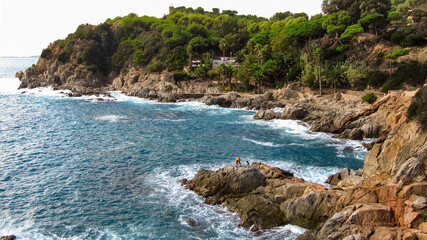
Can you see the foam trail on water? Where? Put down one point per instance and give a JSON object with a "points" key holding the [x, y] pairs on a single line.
{"points": [[266, 144]]}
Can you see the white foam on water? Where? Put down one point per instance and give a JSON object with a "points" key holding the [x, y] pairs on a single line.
{"points": [[309, 173], [121, 97], [302, 130], [27, 230], [10, 86], [110, 118], [209, 219], [266, 144], [278, 110]]}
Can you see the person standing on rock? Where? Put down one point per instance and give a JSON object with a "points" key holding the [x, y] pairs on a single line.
{"points": [[238, 161]]}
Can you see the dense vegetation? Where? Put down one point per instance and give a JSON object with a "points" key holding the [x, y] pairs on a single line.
{"points": [[320, 51]]}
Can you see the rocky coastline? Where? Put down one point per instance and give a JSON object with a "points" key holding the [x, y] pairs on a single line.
{"points": [[384, 200], [266, 197]]}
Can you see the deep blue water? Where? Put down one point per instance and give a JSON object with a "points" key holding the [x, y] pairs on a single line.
{"points": [[75, 168]]}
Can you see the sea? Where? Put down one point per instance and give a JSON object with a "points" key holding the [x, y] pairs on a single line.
{"points": [[80, 168]]}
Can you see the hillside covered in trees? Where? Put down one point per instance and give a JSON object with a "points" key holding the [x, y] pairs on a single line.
{"points": [[324, 50]]}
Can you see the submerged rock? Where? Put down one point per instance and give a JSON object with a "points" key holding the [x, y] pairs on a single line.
{"points": [[191, 222]]}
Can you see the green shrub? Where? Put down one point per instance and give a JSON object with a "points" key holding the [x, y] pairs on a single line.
{"points": [[369, 98], [156, 66], [397, 53], [64, 57], [418, 109], [139, 58], [180, 76], [351, 31], [45, 52], [407, 36], [413, 74]]}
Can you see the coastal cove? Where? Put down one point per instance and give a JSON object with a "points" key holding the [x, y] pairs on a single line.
{"points": [[82, 168]]}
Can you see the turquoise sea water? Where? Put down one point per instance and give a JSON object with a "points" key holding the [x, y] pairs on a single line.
{"points": [[76, 168]]}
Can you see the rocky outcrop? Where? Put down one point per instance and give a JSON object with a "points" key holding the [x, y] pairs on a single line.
{"points": [[265, 197], [54, 73]]}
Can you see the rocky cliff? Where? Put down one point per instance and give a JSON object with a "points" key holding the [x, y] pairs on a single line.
{"points": [[384, 200]]}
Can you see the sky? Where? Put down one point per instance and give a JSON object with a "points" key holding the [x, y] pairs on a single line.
{"points": [[28, 26]]}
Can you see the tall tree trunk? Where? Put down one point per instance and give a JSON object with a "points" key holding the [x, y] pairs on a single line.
{"points": [[339, 40]]}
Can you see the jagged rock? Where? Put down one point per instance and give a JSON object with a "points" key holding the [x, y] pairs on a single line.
{"points": [[295, 112], [337, 177], [354, 134], [419, 203], [221, 101], [373, 215], [167, 97], [242, 103], [370, 130], [265, 115], [400, 157], [262, 101], [309, 210], [354, 179]]}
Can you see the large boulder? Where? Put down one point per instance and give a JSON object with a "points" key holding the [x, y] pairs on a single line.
{"points": [[265, 115], [294, 112], [230, 180]]}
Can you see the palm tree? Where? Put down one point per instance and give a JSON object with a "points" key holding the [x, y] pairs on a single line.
{"points": [[334, 74], [223, 45]]}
